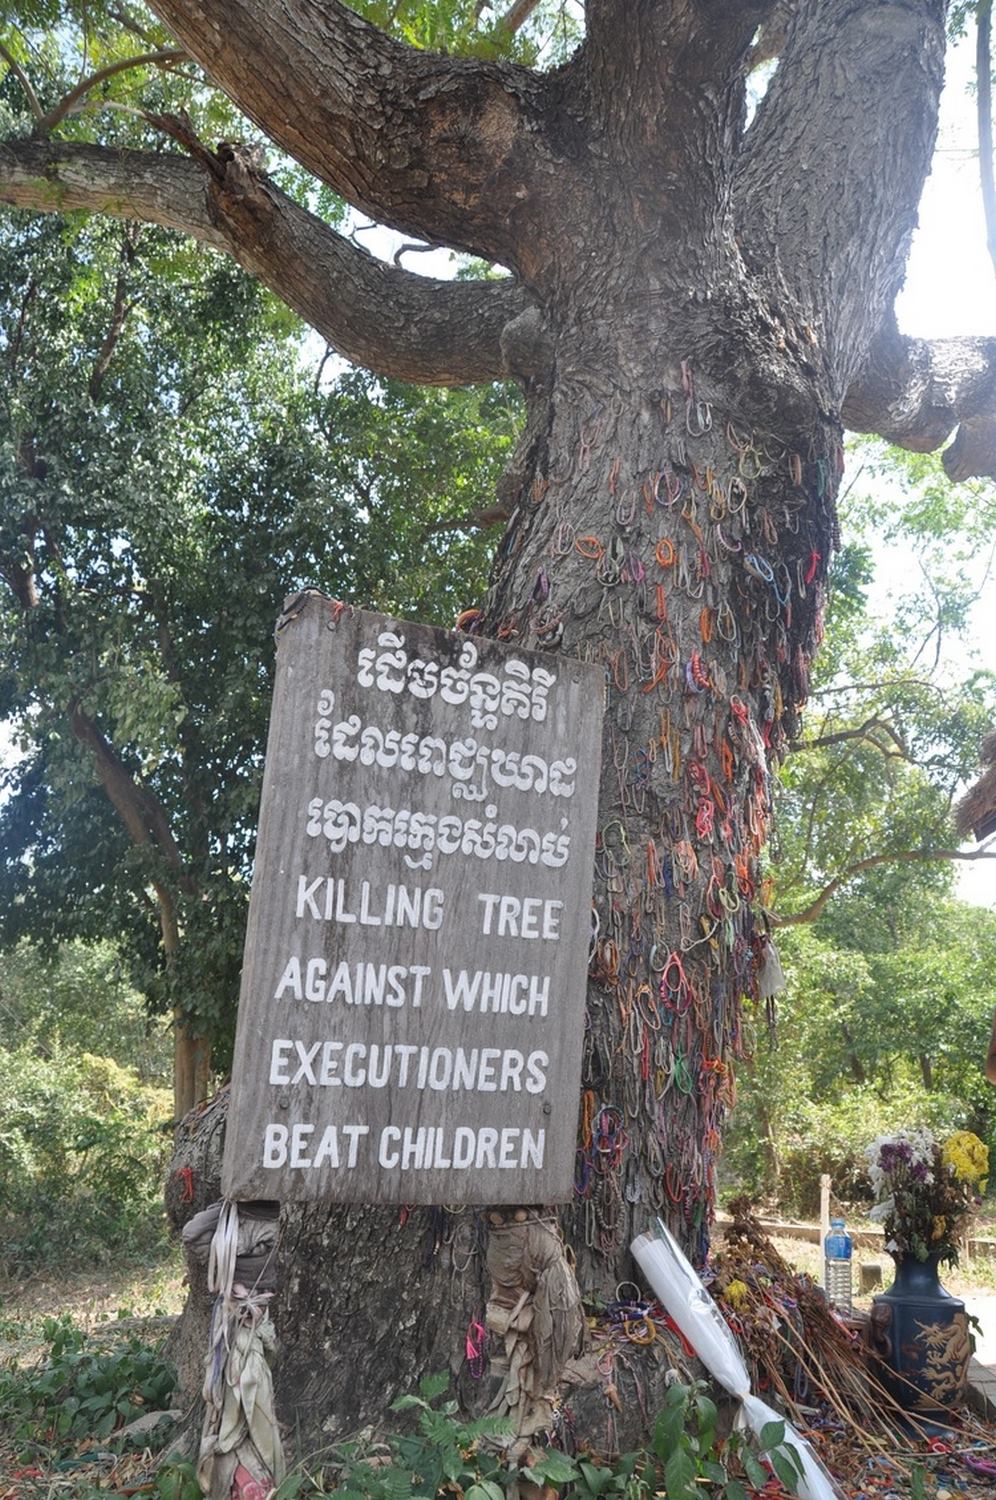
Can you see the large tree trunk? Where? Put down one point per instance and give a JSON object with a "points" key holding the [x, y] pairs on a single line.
{"points": [[666, 533]]}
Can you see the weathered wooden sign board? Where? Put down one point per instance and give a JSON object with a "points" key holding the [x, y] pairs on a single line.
{"points": [[412, 1006]]}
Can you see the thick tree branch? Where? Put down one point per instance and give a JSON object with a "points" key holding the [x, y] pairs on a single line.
{"points": [[119, 312], [834, 163], [148, 827], [438, 147], [659, 88], [395, 323], [640, 49], [908, 856], [517, 15], [19, 572], [631, 35], [861, 732], [138, 809], [914, 392]]}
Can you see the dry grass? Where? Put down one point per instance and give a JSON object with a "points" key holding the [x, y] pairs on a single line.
{"points": [[976, 1275], [106, 1298]]}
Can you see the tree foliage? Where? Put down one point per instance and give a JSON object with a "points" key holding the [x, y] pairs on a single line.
{"points": [[886, 1016], [899, 702], [80, 999], [884, 1024], [172, 470], [696, 302]]}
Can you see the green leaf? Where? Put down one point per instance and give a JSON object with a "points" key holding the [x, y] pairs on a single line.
{"points": [[596, 1478], [668, 1431], [552, 1467], [735, 1491], [794, 1457], [786, 1470], [105, 1424], [707, 1415], [772, 1435], [756, 1472], [290, 1487], [485, 1489], [434, 1385], [406, 1403], [451, 1464], [679, 1476], [397, 1483]]}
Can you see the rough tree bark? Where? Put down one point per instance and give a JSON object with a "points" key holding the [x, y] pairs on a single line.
{"points": [[696, 306]]}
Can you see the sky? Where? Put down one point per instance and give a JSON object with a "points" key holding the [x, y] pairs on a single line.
{"points": [[950, 284], [950, 290]]}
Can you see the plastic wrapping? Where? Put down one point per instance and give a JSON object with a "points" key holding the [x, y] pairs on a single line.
{"points": [[680, 1291], [815, 1483]]}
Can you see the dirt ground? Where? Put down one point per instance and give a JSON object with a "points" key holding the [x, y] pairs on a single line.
{"points": [[157, 1290]]}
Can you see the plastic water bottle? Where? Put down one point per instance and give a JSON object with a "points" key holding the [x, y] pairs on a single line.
{"points": [[837, 1266]]}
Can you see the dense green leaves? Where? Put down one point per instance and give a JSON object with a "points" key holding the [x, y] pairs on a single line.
{"points": [[79, 1000], [80, 1390], [82, 1150], [171, 469], [886, 1016]]}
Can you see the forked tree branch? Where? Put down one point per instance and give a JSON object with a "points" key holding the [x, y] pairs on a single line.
{"points": [[437, 147], [861, 732], [162, 58], [386, 319], [647, 49], [817, 906], [852, 104]]}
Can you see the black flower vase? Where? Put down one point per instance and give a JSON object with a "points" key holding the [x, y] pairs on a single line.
{"points": [[920, 1339]]}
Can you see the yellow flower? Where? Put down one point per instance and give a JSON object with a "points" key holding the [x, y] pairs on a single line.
{"points": [[967, 1156], [940, 1225], [737, 1294]]}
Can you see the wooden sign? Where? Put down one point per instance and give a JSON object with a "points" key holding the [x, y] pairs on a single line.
{"points": [[413, 990]]}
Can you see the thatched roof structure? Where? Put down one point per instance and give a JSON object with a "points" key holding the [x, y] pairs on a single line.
{"points": [[976, 812]]}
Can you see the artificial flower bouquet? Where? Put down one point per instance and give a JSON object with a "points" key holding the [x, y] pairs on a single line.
{"points": [[926, 1190]]}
